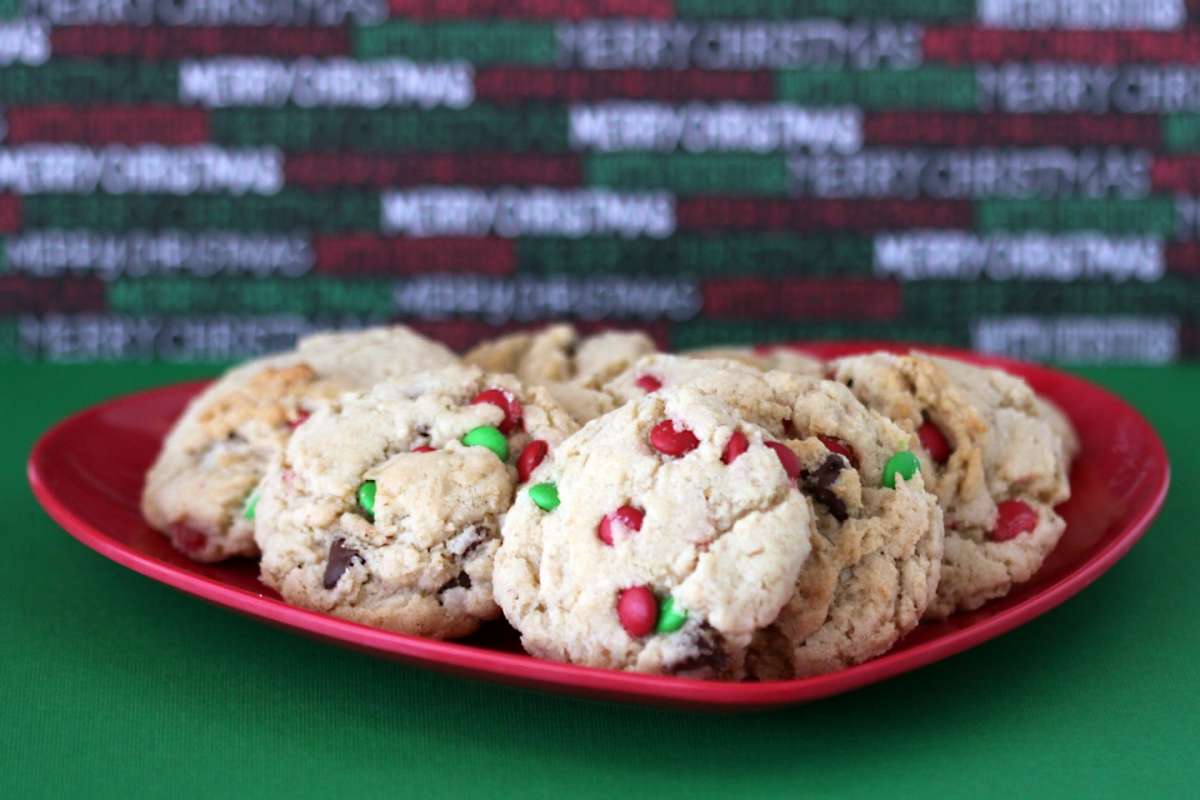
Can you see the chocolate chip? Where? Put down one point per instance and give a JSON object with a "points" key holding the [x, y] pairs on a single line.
{"points": [[833, 504], [340, 558], [421, 436], [468, 540], [483, 534], [709, 656], [463, 580], [826, 475], [819, 484]]}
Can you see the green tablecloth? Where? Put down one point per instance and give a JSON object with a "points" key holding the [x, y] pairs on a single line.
{"points": [[112, 685]]}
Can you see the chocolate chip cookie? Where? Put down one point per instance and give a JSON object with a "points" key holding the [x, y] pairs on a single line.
{"points": [[385, 508], [659, 538], [201, 489], [994, 453], [571, 367]]}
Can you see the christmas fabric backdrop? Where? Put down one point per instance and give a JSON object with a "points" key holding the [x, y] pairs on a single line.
{"points": [[205, 179]]}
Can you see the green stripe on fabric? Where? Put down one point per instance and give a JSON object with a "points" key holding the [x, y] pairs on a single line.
{"points": [[484, 42], [288, 210], [531, 128], [1146, 216], [961, 301], [310, 297], [925, 87], [706, 333], [685, 173], [89, 81], [1181, 132], [698, 256]]}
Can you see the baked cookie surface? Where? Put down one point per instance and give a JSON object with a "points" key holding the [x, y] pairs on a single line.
{"points": [[663, 551], [996, 455], [877, 550], [571, 367], [199, 490], [781, 358], [385, 508]]}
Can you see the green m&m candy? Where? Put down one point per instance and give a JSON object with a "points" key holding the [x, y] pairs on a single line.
{"points": [[490, 437], [670, 616], [366, 498], [251, 505], [544, 496], [904, 464]]}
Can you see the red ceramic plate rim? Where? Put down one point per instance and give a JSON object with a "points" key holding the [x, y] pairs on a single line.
{"points": [[521, 670]]}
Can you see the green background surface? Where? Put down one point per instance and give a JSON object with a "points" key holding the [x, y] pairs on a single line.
{"points": [[112, 685]]}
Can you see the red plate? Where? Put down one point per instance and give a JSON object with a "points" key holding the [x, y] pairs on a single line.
{"points": [[87, 473]]}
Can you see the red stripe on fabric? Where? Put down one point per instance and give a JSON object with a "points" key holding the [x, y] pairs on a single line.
{"points": [[10, 213], [170, 43], [368, 254], [762, 298], [1189, 341], [1175, 174], [107, 124], [981, 130], [1183, 258], [962, 44], [23, 295], [731, 213], [522, 84], [324, 170]]}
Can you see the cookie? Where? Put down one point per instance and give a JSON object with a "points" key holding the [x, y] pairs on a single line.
{"points": [[385, 508], [876, 550], [200, 490], [570, 367], [741, 385], [996, 456], [781, 358], [657, 548]]}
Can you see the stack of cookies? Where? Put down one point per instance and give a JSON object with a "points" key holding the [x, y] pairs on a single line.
{"points": [[722, 514]]}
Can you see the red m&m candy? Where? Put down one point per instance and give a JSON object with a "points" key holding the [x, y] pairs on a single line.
{"points": [[836, 445], [506, 403], [299, 420], [188, 539], [626, 515], [648, 383], [736, 445], [1013, 518], [791, 464], [423, 449], [934, 442], [637, 609], [671, 439], [531, 455]]}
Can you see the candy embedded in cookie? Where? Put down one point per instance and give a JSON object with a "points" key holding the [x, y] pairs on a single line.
{"points": [[659, 555], [996, 455], [201, 490], [878, 544], [878, 540], [571, 367], [386, 509]]}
